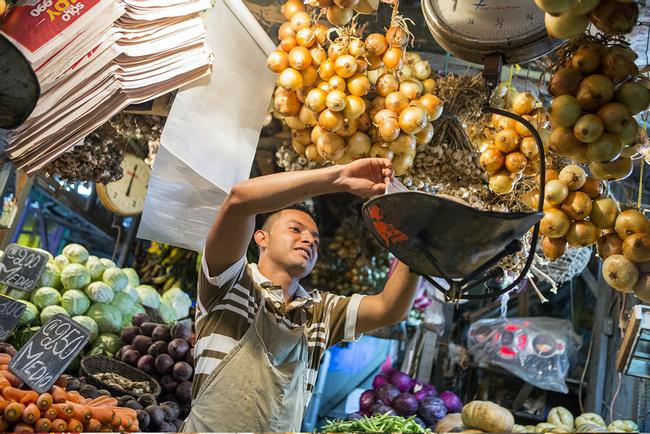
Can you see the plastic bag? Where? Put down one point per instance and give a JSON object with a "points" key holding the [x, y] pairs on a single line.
{"points": [[538, 350], [394, 185]]}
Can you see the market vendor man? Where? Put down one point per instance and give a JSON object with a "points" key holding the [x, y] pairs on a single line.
{"points": [[260, 335]]}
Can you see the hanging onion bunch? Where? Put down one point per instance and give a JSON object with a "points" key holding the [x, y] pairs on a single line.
{"points": [[569, 18], [596, 94], [96, 160]]}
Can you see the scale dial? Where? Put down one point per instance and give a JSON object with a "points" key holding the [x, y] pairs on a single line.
{"points": [[126, 196], [472, 29]]}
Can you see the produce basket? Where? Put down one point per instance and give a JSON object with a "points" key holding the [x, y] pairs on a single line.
{"points": [[99, 364]]}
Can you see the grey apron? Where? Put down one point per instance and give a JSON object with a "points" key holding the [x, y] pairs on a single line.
{"points": [[261, 384]]}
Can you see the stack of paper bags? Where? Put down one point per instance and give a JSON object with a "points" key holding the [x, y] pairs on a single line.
{"points": [[95, 57]]}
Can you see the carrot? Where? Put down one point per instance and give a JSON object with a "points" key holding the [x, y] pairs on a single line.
{"points": [[59, 395], [44, 401], [14, 411], [135, 426], [3, 404], [31, 414], [50, 413], [126, 423], [107, 401], [74, 426], [116, 424], [4, 367], [105, 428], [31, 397], [12, 378], [23, 427], [80, 412], [4, 424], [43, 425], [63, 411], [4, 359], [74, 396], [59, 425], [4, 383], [103, 415], [125, 411], [92, 425], [14, 394]]}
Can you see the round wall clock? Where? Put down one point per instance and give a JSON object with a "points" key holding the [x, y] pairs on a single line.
{"points": [[473, 29], [126, 196]]}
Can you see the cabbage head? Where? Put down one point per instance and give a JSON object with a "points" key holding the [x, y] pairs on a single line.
{"points": [[61, 262], [75, 302], [107, 317], [138, 308], [91, 258], [75, 276], [18, 294], [100, 292], [148, 296], [134, 279], [180, 302], [115, 278], [76, 253], [96, 270], [45, 296], [123, 302], [167, 311], [90, 324], [29, 314], [132, 292], [126, 319], [50, 311], [51, 277], [107, 262], [112, 343], [50, 258]]}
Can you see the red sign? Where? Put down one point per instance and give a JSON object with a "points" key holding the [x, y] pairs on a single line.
{"points": [[386, 231]]}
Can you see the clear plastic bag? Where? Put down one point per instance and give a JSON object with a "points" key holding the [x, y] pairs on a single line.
{"points": [[538, 350]]}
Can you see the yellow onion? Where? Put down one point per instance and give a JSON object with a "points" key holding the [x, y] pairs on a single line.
{"points": [[554, 224], [316, 100], [634, 95], [507, 141], [346, 4], [563, 142], [290, 79], [412, 120], [312, 154], [401, 163], [290, 7], [644, 267], [396, 101], [565, 26], [316, 132], [411, 88], [636, 247], [412, 58], [358, 144], [501, 182], [299, 147], [522, 130], [434, 106], [586, 59], [618, 68], [615, 116], [615, 170], [302, 92], [425, 135], [528, 147], [382, 115], [642, 288], [524, 103], [532, 168], [358, 84], [615, 18], [609, 244], [516, 162], [367, 6], [354, 108], [393, 58], [564, 111], [389, 129], [345, 159], [335, 50], [531, 199], [396, 35], [307, 117], [555, 7], [326, 70], [376, 44], [492, 160], [577, 205], [404, 143], [362, 65], [545, 135], [305, 37], [345, 65], [309, 77], [336, 100], [555, 192], [631, 222], [349, 128], [277, 61], [582, 233], [422, 70], [330, 120], [331, 146], [320, 32], [595, 91], [379, 151], [593, 187], [588, 128], [337, 83], [549, 175], [573, 176], [295, 123], [606, 148], [379, 102], [365, 123], [542, 120], [629, 134], [565, 82], [506, 123], [357, 47], [318, 55], [386, 84], [286, 31], [554, 248], [300, 20], [620, 273], [286, 102], [429, 85], [374, 62], [338, 16], [288, 44]]}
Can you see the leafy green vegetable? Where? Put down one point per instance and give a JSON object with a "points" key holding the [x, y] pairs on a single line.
{"points": [[76, 253], [96, 269], [134, 279], [100, 292], [51, 277], [30, 314], [75, 302], [45, 296], [376, 424], [61, 262], [148, 296], [50, 311], [123, 302], [108, 318], [75, 276], [90, 324], [180, 302], [112, 343], [115, 278]]}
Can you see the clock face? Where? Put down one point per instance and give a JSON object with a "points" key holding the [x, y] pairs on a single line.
{"points": [[126, 196]]}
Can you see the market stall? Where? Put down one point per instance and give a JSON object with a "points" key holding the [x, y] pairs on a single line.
{"points": [[518, 139]]}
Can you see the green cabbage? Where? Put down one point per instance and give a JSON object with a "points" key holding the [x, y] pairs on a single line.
{"points": [[45, 296], [50, 258], [90, 324], [112, 343], [76, 253], [167, 311], [31, 312], [61, 262], [126, 319], [148, 296], [75, 276], [134, 279], [123, 302], [100, 292], [18, 294], [96, 270], [115, 278], [75, 302], [91, 258], [4, 289], [180, 302], [108, 262], [50, 311], [132, 292], [138, 308], [51, 277], [107, 317]]}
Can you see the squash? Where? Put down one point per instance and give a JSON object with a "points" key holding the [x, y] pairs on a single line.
{"points": [[623, 426], [530, 428], [591, 427], [544, 427], [561, 418], [590, 418], [487, 416], [519, 428], [450, 423]]}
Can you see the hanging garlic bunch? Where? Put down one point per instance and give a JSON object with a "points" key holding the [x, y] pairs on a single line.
{"points": [[143, 128], [445, 165], [290, 160]]}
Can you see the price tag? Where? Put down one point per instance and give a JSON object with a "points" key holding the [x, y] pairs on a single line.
{"points": [[21, 267], [44, 357], [10, 312]]}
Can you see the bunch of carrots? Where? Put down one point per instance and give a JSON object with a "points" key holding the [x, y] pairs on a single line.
{"points": [[57, 410]]}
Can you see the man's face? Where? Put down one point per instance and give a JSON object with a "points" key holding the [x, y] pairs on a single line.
{"points": [[292, 242]]}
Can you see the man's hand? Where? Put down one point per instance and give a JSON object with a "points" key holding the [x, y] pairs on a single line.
{"points": [[367, 177]]}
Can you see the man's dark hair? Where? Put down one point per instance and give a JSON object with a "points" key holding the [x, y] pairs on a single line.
{"points": [[266, 220]]}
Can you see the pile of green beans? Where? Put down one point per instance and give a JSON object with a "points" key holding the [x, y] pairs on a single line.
{"points": [[384, 423]]}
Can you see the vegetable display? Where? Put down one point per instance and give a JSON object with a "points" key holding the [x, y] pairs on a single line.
{"points": [[376, 423], [560, 419]]}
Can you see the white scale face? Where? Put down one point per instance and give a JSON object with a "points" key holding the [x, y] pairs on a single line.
{"points": [[471, 29]]}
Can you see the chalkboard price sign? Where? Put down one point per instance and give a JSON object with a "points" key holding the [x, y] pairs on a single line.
{"points": [[41, 361], [10, 312], [21, 267]]}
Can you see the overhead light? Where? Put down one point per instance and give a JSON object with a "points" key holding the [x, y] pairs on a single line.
{"points": [[634, 356]]}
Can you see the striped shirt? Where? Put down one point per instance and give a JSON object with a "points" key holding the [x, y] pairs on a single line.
{"points": [[227, 304]]}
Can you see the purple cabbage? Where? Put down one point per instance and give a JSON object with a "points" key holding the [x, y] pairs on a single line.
{"points": [[388, 371], [379, 380], [366, 399], [416, 384], [401, 380], [357, 415], [420, 422], [430, 389], [405, 404], [431, 409], [421, 394], [452, 402], [383, 409], [386, 394], [374, 406]]}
